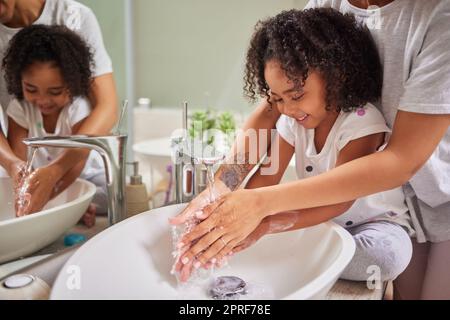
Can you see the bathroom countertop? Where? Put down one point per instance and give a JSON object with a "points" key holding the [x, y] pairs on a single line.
{"points": [[342, 290], [354, 290], [101, 224]]}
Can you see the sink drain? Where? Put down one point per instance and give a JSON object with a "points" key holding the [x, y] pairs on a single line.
{"points": [[24, 287], [18, 281], [227, 288]]}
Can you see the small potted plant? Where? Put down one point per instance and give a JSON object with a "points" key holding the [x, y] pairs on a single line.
{"points": [[213, 128]]}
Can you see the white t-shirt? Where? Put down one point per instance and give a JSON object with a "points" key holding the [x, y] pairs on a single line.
{"points": [[389, 205], [73, 15], [29, 117], [413, 40]]}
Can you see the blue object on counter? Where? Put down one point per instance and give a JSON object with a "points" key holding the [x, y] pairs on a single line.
{"points": [[72, 239]]}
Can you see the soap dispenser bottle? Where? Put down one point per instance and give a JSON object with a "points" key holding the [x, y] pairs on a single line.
{"points": [[136, 193]]}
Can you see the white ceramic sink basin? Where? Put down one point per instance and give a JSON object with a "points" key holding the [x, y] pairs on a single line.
{"points": [[132, 260], [25, 235]]}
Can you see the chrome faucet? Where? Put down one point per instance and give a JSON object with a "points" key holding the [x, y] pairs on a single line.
{"points": [[185, 174], [112, 150], [191, 160]]}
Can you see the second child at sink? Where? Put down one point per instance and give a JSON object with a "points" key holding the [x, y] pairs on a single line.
{"points": [[48, 71]]}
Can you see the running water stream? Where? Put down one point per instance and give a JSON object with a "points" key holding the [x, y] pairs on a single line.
{"points": [[21, 192], [209, 163], [179, 231]]}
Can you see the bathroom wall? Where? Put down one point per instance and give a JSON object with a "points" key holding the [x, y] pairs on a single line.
{"points": [[184, 49], [110, 15], [194, 49]]}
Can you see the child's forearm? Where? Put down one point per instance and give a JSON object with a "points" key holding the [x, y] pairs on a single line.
{"points": [[259, 180], [68, 178], [299, 219], [241, 161], [67, 161]]}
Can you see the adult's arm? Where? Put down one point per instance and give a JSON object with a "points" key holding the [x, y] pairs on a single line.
{"points": [[8, 160], [16, 135], [73, 173], [414, 138]]}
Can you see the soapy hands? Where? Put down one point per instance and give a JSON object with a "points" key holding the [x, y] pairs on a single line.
{"points": [[196, 206], [226, 225], [194, 209]]}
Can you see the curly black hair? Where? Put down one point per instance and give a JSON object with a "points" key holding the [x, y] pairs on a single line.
{"points": [[324, 40], [42, 43]]}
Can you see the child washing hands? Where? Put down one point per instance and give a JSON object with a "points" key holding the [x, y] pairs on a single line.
{"points": [[322, 71], [48, 71]]}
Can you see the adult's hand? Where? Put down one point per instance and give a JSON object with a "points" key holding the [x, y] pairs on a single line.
{"points": [[261, 230], [230, 220], [221, 259], [196, 207]]}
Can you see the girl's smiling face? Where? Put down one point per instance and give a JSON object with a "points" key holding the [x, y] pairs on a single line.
{"points": [[43, 86], [306, 104]]}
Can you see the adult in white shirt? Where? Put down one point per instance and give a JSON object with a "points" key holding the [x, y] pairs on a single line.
{"points": [[16, 14], [413, 39]]}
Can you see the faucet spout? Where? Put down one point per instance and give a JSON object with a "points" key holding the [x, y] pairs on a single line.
{"points": [[113, 152]]}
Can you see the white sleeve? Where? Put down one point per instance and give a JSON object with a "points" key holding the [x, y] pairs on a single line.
{"points": [[361, 123], [90, 30], [318, 4], [285, 129], [78, 110], [427, 90], [17, 112]]}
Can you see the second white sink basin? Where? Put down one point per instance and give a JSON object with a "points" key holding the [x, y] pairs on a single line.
{"points": [[132, 260], [25, 235]]}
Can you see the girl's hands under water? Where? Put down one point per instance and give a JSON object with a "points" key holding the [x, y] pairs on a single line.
{"points": [[35, 191], [230, 220]]}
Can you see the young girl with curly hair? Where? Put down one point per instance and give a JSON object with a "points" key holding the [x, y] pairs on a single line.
{"points": [[321, 69], [48, 71]]}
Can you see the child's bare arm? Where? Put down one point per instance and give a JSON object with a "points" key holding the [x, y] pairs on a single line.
{"points": [[280, 154], [73, 173], [16, 135]]}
